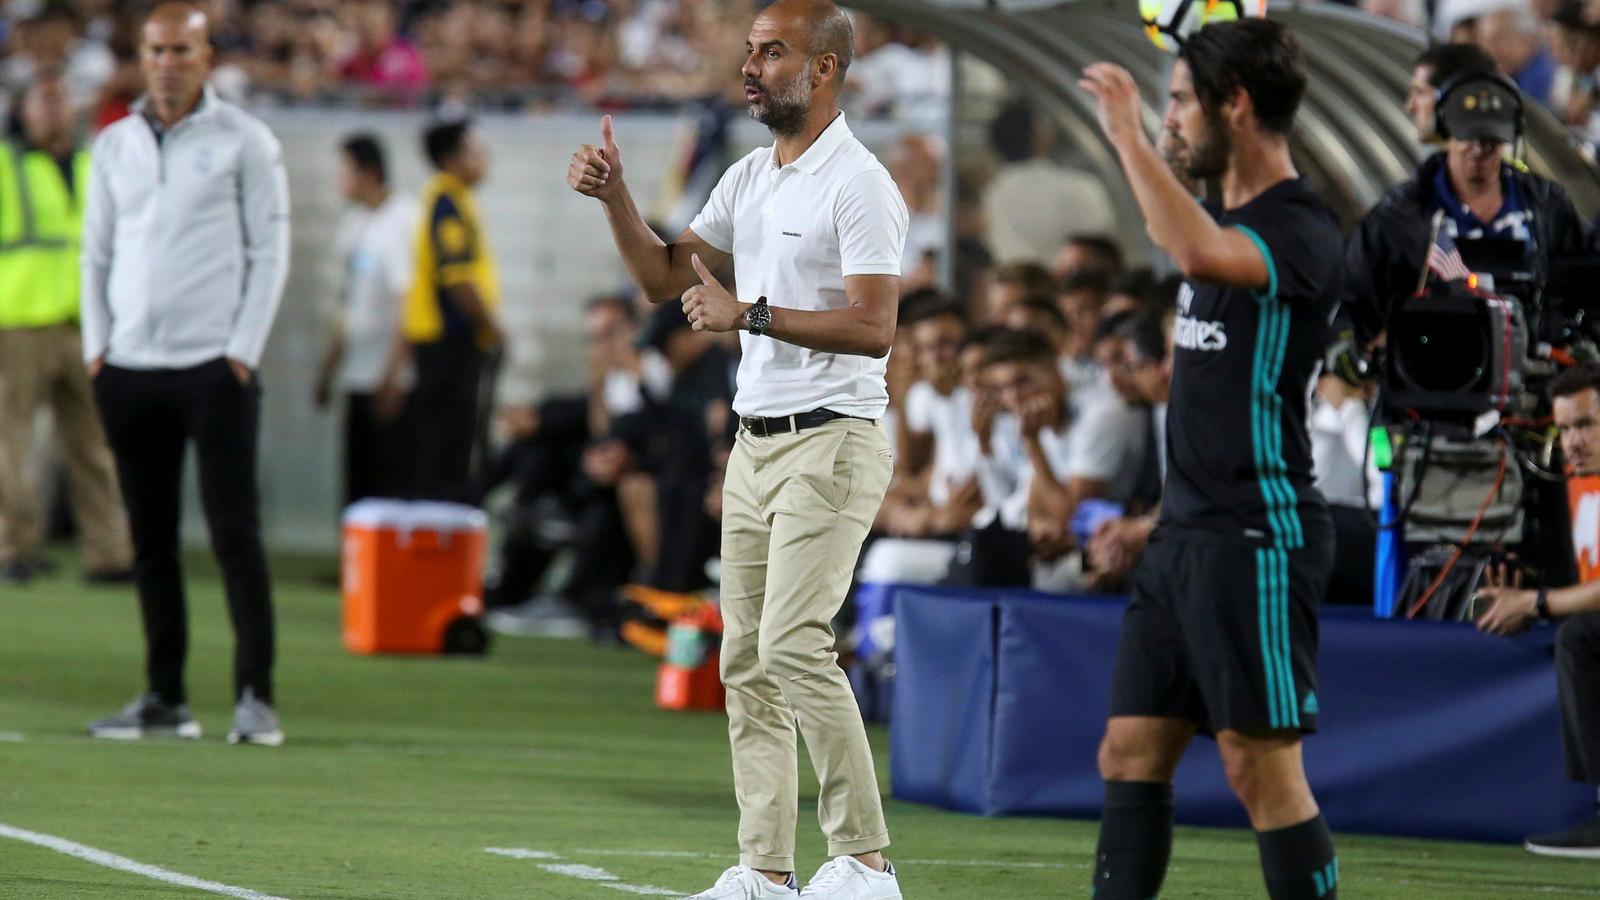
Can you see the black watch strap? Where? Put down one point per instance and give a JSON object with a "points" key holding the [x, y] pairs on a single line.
{"points": [[1541, 604]]}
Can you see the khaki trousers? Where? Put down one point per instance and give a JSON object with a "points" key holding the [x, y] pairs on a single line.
{"points": [[795, 510], [39, 367]]}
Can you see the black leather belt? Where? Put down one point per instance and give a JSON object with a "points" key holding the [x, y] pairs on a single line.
{"points": [[761, 427]]}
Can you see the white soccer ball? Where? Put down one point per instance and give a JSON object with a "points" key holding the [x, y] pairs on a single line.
{"points": [[1168, 23]]}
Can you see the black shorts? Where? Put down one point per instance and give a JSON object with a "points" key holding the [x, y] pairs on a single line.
{"points": [[1223, 634]]}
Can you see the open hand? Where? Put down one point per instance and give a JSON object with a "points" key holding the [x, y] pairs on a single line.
{"points": [[597, 171], [1121, 115], [708, 304]]}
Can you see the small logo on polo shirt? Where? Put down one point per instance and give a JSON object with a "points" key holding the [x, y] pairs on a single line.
{"points": [[791, 234]]}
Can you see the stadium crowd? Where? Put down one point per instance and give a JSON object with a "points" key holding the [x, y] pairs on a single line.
{"points": [[454, 55]]}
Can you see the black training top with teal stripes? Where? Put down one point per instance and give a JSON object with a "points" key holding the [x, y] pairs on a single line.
{"points": [[1238, 455]]}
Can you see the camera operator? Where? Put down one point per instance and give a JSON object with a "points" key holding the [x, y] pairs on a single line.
{"points": [[1575, 396], [1435, 67], [1478, 114]]}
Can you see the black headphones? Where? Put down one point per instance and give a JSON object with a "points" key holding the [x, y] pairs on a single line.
{"points": [[1442, 96]]}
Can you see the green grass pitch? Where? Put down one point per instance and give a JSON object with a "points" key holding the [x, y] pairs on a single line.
{"points": [[398, 773]]}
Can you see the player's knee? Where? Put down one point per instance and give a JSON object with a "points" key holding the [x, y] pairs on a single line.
{"points": [[1123, 759]]}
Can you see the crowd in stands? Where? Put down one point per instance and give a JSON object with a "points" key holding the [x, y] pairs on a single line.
{"points": [[1551, 48], [455, 54]]}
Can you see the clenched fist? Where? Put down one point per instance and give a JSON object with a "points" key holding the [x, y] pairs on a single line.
{"points": [[597, 171]]}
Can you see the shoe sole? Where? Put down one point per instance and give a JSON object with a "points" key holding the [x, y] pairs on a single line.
{"points": [[266, 739], [189, 731], [1563, 852]]}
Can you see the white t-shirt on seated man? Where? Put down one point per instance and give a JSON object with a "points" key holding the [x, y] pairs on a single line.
{"points": [[948, 419], [1102, 440]]}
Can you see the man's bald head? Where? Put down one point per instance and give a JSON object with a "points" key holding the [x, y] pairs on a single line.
{"points": [[181, 17], [175, 56], [825, 26]]}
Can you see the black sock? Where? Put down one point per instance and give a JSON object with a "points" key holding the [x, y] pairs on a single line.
{"points": [[1135, 840], [1298, 862]]}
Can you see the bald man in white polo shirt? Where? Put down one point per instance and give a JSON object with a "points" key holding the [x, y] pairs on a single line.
{"points": [[816, 230]]}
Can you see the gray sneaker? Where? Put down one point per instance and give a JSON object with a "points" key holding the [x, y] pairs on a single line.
{"points": [[254, 722], [146, 717]]}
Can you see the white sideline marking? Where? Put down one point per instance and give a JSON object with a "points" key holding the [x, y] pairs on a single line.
{"points": [[520, 853], [581, 872], [649, 890], [124, 864], [11, 737]]}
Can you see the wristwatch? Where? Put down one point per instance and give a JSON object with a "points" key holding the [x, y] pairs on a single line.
{"points": [[758, 318], [1541, 605]]}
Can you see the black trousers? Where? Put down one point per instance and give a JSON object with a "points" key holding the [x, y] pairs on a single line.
{"points": [[377, 451], [1578, 677], [448, 418], [150, 418]]}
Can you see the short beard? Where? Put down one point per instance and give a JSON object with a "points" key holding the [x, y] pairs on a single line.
{"points": [[784, 112], [1208, 157]]}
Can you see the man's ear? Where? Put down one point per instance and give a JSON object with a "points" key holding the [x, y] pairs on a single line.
{"points": [[827, 69], [1239, 109]]}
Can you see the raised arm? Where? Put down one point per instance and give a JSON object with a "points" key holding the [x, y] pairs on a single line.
{"points": [[1202, 249], [663, 270]]}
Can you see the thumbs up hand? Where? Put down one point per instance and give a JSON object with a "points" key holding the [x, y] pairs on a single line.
{"points": [[597, 171], [708, 304]]}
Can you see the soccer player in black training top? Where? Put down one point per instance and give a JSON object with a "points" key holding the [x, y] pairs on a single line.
{"points": [[1221, 634]]}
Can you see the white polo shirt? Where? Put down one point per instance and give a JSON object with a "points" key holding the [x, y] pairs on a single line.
{"points": [[796, 233]]}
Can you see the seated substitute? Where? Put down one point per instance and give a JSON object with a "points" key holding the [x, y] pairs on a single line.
{"points": [[1575, 396]]}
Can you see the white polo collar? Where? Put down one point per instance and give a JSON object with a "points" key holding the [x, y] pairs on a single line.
{"points": [[823, 147]]}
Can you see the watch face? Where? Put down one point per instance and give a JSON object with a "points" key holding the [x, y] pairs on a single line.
{"points": [[759, 316]]}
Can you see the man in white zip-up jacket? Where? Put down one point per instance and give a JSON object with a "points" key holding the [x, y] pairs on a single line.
{"points": [[185, 251]]}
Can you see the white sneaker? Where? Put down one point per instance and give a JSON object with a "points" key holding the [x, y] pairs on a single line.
{"points": [[745, 883], [848, 878]]}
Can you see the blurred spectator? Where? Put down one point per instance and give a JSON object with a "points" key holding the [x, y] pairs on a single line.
{"points": [[916, 163], [1513, 36], [1034, 203], [1577, 46], [1058, 450], [1136, 351], [450, 316], [1009, 285], [1410, 12], [385, 65], [1040, 315], [936, 491], [54, 39], [1341, 416], [41, 351], [643, 513], [1094, 254], [367, 360], [891, 77], [543, 460], [1135, 291], [1082, 301]]}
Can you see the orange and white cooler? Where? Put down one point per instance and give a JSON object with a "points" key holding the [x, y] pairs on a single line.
{"points": [[412, 576]]}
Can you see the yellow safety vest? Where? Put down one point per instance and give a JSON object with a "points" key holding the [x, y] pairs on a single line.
{"points": [[41, 222]]}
